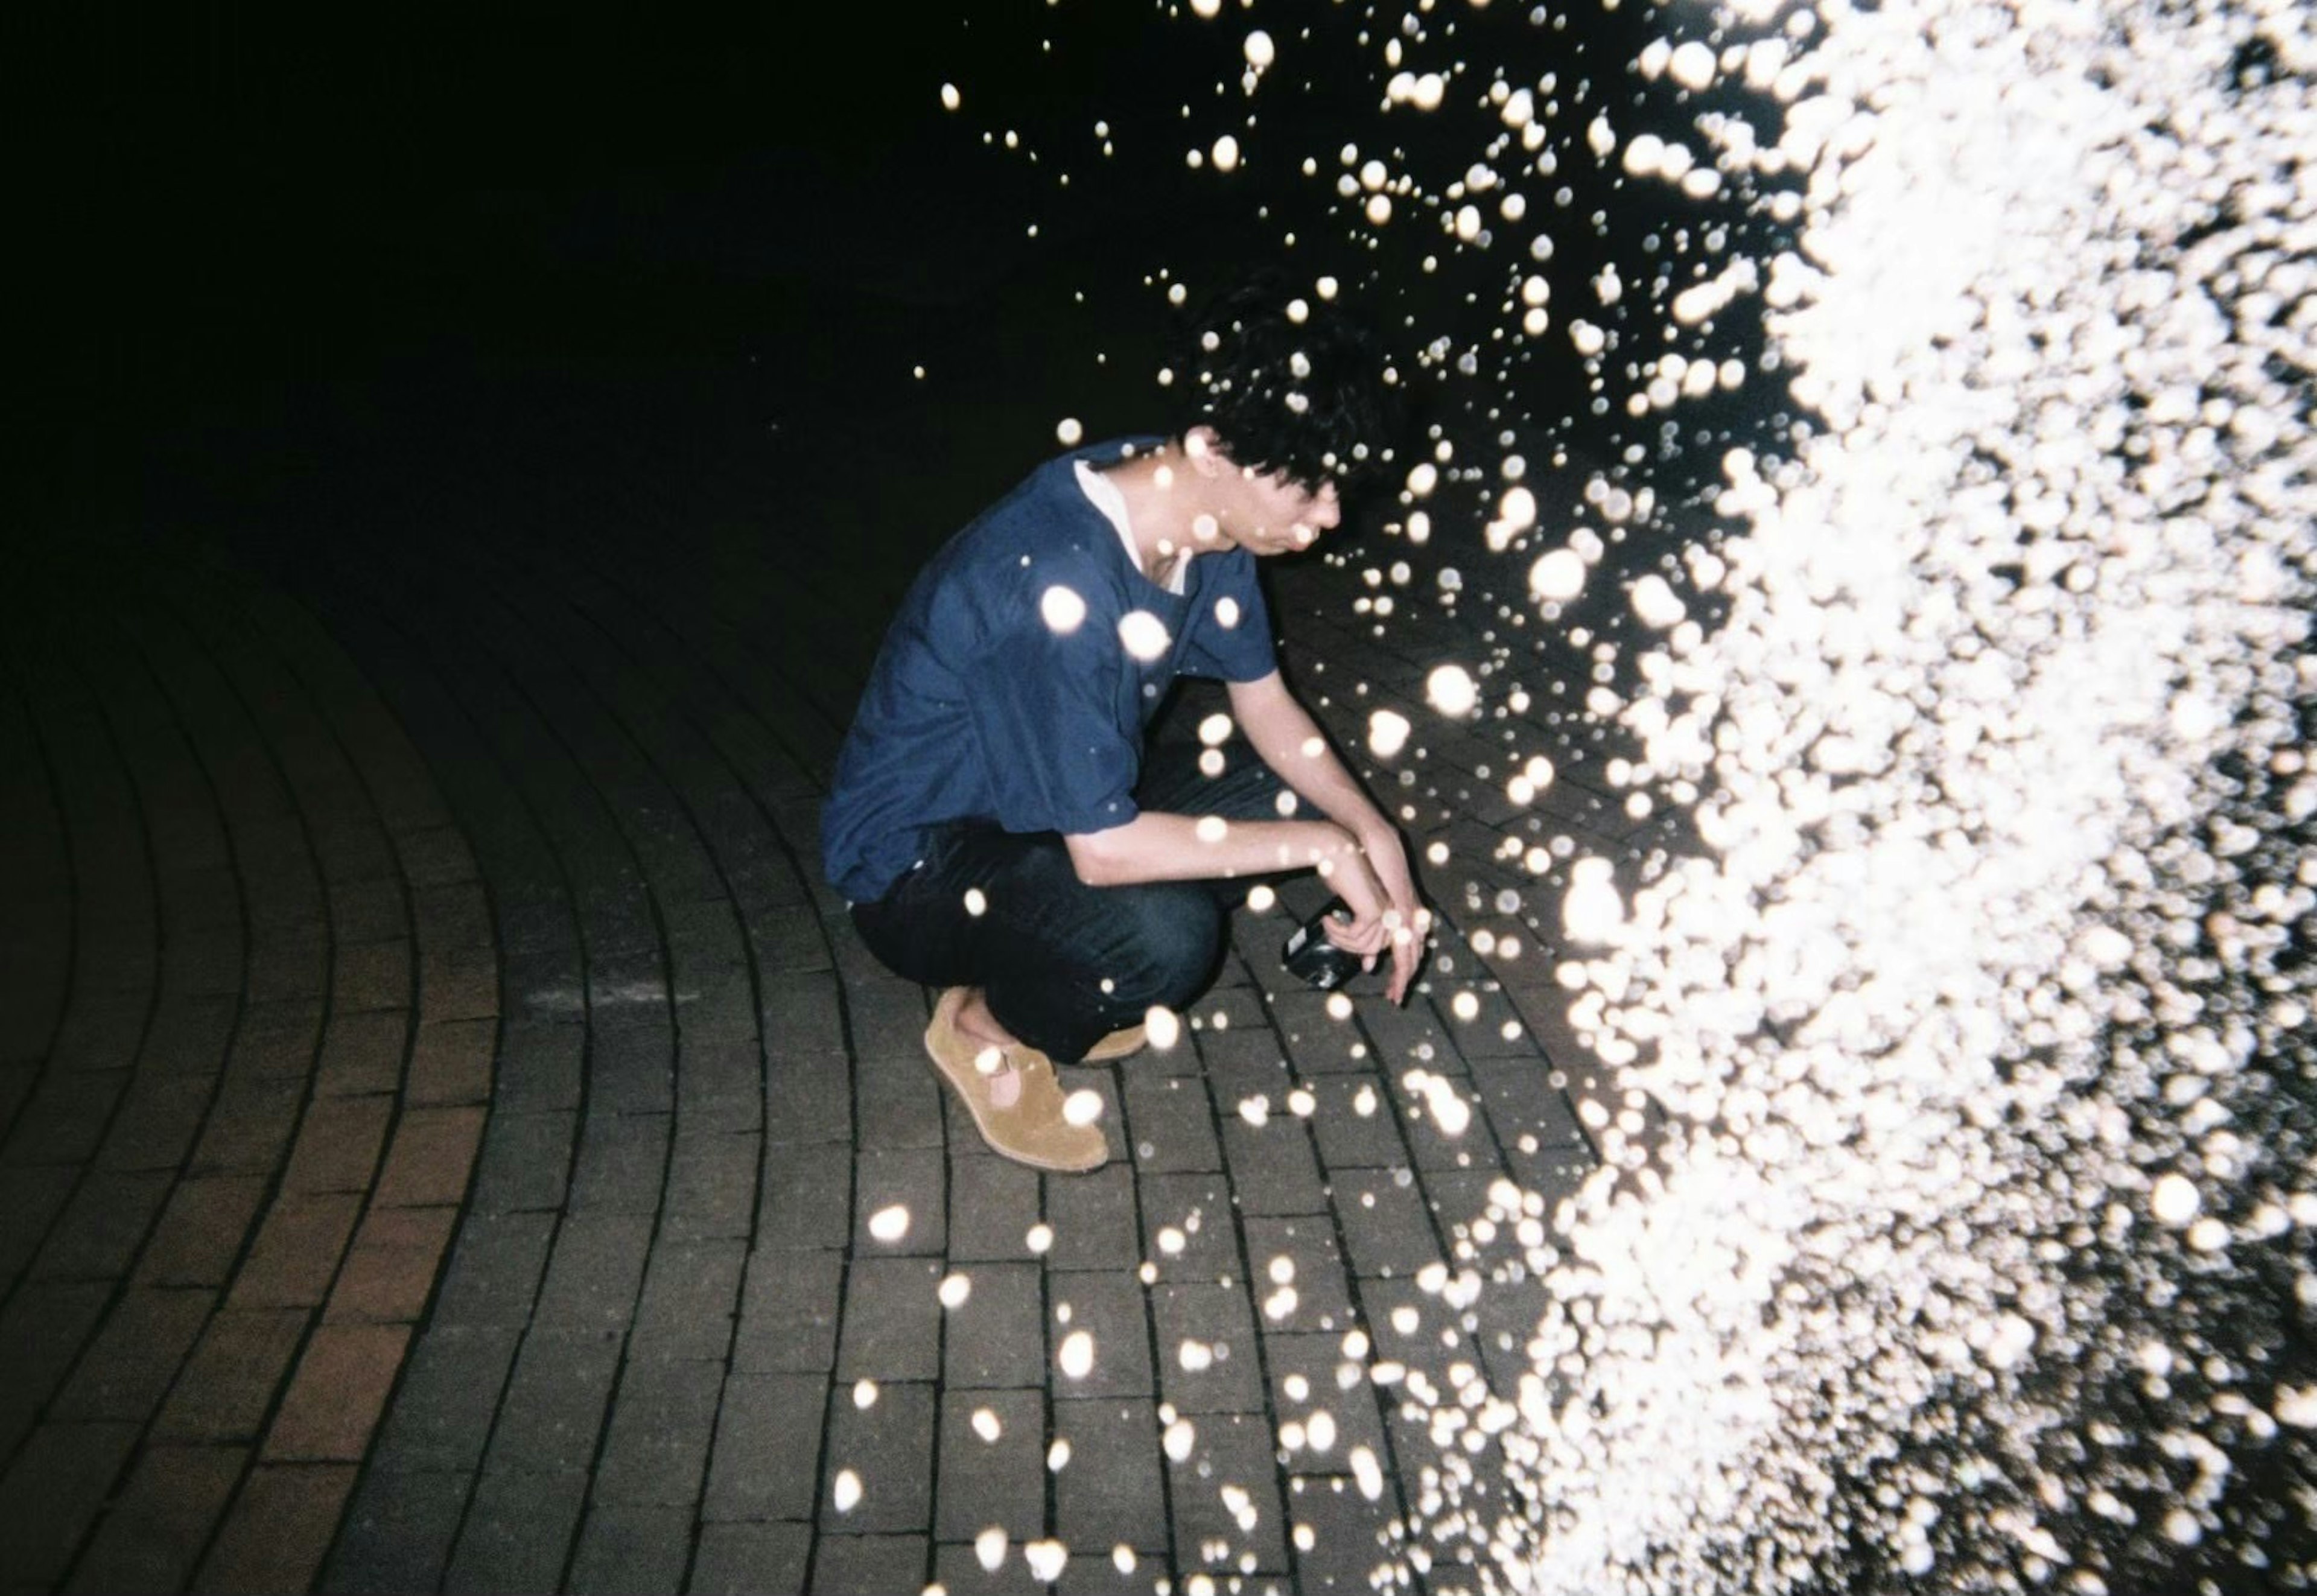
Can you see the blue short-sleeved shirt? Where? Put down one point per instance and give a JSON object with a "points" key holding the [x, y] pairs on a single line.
{"points": [[1015, 683]]}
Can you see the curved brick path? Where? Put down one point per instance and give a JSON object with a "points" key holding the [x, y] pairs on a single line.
{"points": [[248, 1041], [446, 1109]]}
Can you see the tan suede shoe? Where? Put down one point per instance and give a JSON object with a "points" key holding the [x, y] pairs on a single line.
{"points": [[1032, 1129]]}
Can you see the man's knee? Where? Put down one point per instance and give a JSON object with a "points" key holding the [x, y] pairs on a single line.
{"points": [[1170, 937]]}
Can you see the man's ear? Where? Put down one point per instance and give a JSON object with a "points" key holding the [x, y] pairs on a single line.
{"points": [[1205, 450]]}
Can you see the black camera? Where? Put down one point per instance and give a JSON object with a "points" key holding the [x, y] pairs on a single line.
{"points": [[1314, 960]]}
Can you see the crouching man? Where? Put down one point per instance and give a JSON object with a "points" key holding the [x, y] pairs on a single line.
{"points": [[993, 823]]}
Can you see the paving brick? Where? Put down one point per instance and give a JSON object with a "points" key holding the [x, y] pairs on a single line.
{"points": [[622, 1162], [539, 1066], [42, 1330], [276, 1040], [525, 1162], [1314, 1267], [1522, 1102], [367, 910], [188, 1037], [338, 1143], [494, 1271], [434, 857], [992, 1468], [160, 1521], [228, 1386], [1186, 1225], [993, 1204], [1172, 1123], [1208, 1360], [595, 1272], [52, 1493], [996, 1336], [687, 1308], [899, 1102], [890, 1446], [1109, 1308], [128, 1368], [720, 1083], [553, 1416], [712, 1185], [768, 1450], [430, 1157], [868, 1565], [808, 1098], [1233, 1454], [443, 1410], [1273, 1168], [362, 1052], [632, 1070], [450, 1063], [1094, 1220], [958, 1570], [31, 1198], [911, 1179], [663, 1418], [284, 968], [1087, 1575], [99, 1229], [1310, 1375], [892, 1326], [97, 1035], [703, 933], [751, 1560], [1409, 1038], [518, 1532], [249, 1127], [789, 938], [1317, 1043], [65, 1118], [717, 1003], [1353, 1123], [390, 1269], [397, 1533], [297, 1251], [888, 1016], [789, 1310], [628, 1547], [1110, 1492], [334, 1398], [278, 1530], [1385, 1222], [800, 1016], [201, 1231], [807, 1200], [158, 1121], [1350, 1537]]}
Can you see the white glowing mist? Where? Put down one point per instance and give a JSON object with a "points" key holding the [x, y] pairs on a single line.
{"points": [[1928, 1018]]}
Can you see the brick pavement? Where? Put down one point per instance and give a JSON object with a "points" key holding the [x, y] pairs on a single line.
{"points": [[447, 1116]]}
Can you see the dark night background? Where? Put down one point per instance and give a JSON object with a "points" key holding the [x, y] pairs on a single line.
{"points": [[247, 219]]}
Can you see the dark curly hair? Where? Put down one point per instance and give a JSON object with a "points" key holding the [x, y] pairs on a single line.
{"points": [[1290, 382]]}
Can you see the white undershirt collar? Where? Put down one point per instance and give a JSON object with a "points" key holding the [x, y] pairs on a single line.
{"points": [[1104, 495]]}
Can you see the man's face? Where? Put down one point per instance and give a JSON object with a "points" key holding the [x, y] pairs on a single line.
{"points": [[1274, 514]]}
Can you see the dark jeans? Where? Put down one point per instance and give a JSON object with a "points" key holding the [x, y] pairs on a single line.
{"points": [[1062, 963]]}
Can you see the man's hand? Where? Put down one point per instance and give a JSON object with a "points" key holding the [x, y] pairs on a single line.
{"points": [[1387, 916]]}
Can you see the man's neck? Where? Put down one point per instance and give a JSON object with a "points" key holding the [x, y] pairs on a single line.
{"points": [[1163, 505]]}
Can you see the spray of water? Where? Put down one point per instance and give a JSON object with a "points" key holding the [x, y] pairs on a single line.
{"points": [[1975, 1254]]}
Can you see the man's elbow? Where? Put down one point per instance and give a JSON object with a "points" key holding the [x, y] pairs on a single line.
{"points": [[1093, 857]]}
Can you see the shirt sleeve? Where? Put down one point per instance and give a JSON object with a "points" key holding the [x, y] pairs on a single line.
{"points": [[1043, 708], [1228, 631]]}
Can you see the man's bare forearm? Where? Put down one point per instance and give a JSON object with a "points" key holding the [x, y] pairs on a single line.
{"points": [[1185, 847], [1286, 738]]}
